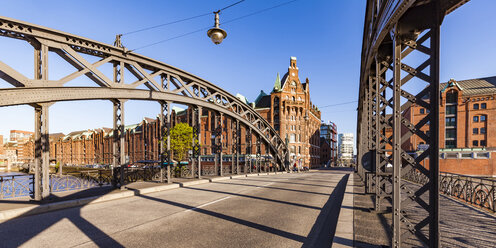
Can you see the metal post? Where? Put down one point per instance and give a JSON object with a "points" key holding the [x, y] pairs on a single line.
{"points": [[165, 125], [258, 156], [248, 149], [378, 141], [42, 156], [194, 145], [198, 135], [396, 139], [45, 143], [238, 146], [221, 141], [215, 144], [119, 140], [434, 131]]}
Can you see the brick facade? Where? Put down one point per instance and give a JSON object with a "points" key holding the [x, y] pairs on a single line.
{"points": [[290, 111], [467, 127]]}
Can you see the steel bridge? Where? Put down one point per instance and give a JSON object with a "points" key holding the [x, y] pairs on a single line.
{"points": [[163, 83], [394, 30]]}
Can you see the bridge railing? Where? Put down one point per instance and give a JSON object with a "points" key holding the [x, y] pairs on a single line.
{"points": [[477, 191], [13, 186]]}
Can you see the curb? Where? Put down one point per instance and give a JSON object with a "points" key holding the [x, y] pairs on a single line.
{"points": [[238, 176], [215, 179], [191, 183], [344, 235]]}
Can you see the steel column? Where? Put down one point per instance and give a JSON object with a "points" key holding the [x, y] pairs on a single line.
{"points": [[165, 154], [119, 156], [42, 156], [238, 146], [396, 140], [259, 155], [197, 147]]}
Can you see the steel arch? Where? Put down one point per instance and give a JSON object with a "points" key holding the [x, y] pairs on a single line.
{"points": [[163, 83]]}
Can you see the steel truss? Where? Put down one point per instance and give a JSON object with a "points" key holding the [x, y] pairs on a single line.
{"points": [[394, 30], [258, 155], [236, 146], [196, 143], [163, 83], [248, 150], [382, 156], [119, 156], [165, 152]]}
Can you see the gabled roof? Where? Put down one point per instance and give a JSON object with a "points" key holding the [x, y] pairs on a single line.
{"points": [[473, 87]]}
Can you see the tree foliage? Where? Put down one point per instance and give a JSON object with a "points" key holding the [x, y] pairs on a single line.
{"points": [[181, 136]]}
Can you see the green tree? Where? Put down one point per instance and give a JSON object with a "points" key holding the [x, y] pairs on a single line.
{"points": [[181, 136]]}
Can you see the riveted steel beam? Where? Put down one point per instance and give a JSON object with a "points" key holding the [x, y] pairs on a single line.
{"points": [[174, 81]]}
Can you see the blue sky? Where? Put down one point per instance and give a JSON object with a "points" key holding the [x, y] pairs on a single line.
{"points": [[324, 35]]}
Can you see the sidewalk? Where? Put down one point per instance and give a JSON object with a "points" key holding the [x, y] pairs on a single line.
{"points": [[344, 235], [23, 206]]}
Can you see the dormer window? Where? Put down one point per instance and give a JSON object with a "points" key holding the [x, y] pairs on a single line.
{"points": [[452, 96]]}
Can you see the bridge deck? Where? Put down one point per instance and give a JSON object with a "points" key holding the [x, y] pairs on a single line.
{"points": [[284, 210], [461, 225]]}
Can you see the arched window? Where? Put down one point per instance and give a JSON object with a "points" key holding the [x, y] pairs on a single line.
{"points": [[293, 98], [299, 99], [452, 96]]}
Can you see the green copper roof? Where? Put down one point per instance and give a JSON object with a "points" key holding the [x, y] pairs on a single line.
{"points": [[277, 84], [262, 94]]}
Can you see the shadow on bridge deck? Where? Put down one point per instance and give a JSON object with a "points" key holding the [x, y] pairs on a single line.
{"points": [[461, 225]]}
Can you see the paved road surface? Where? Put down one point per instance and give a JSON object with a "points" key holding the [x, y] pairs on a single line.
{"points": [[288, 210]]}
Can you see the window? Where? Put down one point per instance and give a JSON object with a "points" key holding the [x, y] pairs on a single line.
{"points": [[482, 118], [450, 143], [452, 96], [483, 130], [483, 143], [475, 143], [483, 106], [476, 118], [475, 131], [292, 138], [293, 98], [451, 109], [476, 106], [450, 121], [422, 111], [450, 133]]}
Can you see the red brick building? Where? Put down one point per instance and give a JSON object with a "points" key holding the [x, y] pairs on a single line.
{"points": [[467, 127], [290, 111]]}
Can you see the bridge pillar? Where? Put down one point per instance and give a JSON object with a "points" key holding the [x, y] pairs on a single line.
{"points": [[238, 145], [217, 143], [41, 156], [407, 38], [119, 155], [248, 149], [165, 125], [235, 146], [382, 176], [258, 155], [196, 123], [221, 141]]}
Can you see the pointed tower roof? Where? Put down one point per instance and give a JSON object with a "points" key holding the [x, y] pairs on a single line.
{"points": [[277, 84]]}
